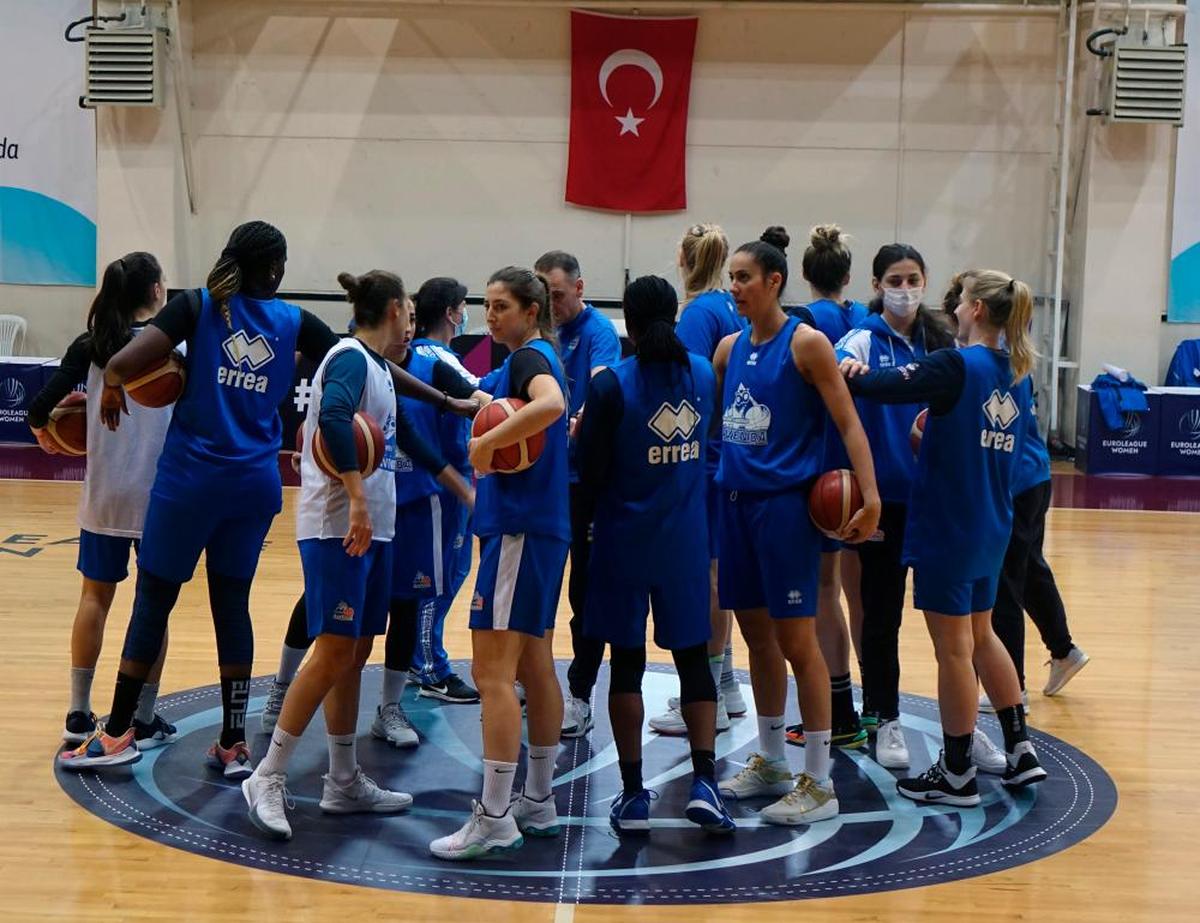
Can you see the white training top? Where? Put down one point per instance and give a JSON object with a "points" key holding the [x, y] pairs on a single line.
{"points": [[120, 465], [323, 510]]}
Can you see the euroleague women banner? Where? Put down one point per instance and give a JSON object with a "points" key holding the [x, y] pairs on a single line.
{"points": [[630, 80], [47, 148], [1183, 305]]}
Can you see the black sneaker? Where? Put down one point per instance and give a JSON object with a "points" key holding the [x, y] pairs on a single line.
{"points": [[1023, 767], [79, 726], [157, 733], [937, 786], [452, 689]]}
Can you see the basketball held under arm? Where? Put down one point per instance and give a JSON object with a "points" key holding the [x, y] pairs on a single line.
{"points": [[546, 404], [153, 345]]}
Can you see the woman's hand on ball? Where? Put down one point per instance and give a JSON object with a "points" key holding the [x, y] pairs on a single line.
{"points": [[480, 452], [44, 440], [862, 525], [112, 405]]}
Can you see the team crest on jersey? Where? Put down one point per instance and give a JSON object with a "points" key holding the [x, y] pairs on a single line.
{"points": [[752, 360], [459, 541], [746, 421], [477, 602], [343, 612], [252, 353], [1000, 411], [404, 463], [670, 421], [421, 581]]}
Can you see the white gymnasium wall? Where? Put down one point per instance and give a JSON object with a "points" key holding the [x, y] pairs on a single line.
{"points": [[433, 140]]}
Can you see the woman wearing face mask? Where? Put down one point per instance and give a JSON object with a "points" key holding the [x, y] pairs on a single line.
{"points": [[899, 330]]}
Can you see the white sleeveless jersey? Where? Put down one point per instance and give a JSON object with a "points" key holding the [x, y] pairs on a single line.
{"points": [[324, 507], [120, 465]]}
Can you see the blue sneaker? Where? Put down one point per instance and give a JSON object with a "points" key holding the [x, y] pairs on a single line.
{"points": [[706, 808], [631, 813]]}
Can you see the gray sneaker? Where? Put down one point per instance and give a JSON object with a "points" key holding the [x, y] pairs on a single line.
{"points": [[577, 717], [270, 712], [392, 724], [1063, 668], [361, 796]]}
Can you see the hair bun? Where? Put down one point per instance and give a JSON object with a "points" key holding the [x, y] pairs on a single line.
{"points": [[826, 237], [350, 283], [776, 236]]}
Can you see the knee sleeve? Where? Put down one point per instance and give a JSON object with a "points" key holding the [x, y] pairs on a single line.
{"points": [[401, 638], [695, 678], [153, 601], [626, 668], [297, 630], [229, 598]]}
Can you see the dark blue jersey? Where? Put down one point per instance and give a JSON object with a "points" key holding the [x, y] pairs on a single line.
{"points": [[706, 320], [773, 421], [835, 321], [533, 500], [412, 480], [1033, 467], [587, 341]]}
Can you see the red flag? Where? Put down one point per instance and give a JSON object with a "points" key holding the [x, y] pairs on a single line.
{"points": [[630, 79]]}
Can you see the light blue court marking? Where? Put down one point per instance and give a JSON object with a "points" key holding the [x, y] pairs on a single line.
{"points": [[435, 727]]}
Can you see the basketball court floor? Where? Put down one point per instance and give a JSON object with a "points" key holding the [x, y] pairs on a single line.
{"points": [[1109, 837]]}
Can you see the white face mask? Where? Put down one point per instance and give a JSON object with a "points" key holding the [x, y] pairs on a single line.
{"points": [[903, 302], [461, 327]]}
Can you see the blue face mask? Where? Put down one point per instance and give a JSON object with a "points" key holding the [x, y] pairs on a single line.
{"points": [[461, 327]]}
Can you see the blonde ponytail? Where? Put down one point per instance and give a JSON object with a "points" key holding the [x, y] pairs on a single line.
{"points": [[1009, 304], [705, 249]]}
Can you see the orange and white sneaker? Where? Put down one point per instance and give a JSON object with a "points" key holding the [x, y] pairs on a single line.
{"points": [[101, 751], [233, 763]]}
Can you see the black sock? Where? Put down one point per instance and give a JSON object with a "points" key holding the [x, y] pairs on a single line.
{"points": [[704, 764], [631, 776], [843, 701], [125, 699], [1012, 723], [958, 752], [235, 694]]}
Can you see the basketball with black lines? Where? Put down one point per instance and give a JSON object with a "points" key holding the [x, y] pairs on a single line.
{"points": [[519, 455], [834, 499], [368, 443], [160, 383], [67, 426]]}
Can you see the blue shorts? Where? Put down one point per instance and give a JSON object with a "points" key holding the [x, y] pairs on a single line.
{"points": [[616, 610], [934, 593], [344, 595], [418, 550], [518, 584], [104, 558], [769, 555], [176, 532]]}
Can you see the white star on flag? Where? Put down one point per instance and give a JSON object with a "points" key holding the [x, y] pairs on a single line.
{"points": [[629, 123]]}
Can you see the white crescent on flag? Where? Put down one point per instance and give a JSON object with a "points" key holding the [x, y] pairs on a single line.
{"points": [[633, 58]]}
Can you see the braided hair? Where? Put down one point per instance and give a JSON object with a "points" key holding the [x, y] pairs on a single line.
{"points": [[650, 304], [248, 257]]}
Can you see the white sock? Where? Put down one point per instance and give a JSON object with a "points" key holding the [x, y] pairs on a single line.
{"points": [[81, 689], [497, 786], [343, 757], [539, 779], [727, 665], [278, 753], [817, 757], [716, 664], [770, 737], [290, 659], [145, 705], [394, 682]]}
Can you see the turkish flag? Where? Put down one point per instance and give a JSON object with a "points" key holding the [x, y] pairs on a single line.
{"points": [[630, 78]]}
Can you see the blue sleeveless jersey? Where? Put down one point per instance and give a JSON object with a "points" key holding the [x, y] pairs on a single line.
{"points": [[706, 320], [1033, 467], [225, 432], [533, 500], [834, 320], [652, 507], [960, 516], [453, 430], [773, 423], [412, 481]]}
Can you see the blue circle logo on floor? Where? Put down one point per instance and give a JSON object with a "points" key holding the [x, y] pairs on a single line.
{"points": [[879, 842]]}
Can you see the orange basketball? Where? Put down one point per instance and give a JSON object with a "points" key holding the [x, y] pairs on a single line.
{"points": [[368, 442], [67, 426], [833, 501], [917, 433], [510, 458], [159, 384]]}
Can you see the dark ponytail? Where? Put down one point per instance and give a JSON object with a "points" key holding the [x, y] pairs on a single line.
{"points": [[650, 304], [371, 293], [770, 253], [127, 285], [433, 299], [246, 261], [529, 289]]}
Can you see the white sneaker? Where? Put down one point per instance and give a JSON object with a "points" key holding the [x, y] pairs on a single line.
{"points": [[361, 796], [267, 797], [891, 752], [520, 692], [735, 702], [577, 717], [671, 723], [986, 756], [480, 836], [760, 778], [810, 801], [270, 712], [535, 818], [1062, 669], [392, 724], [986, 706]]}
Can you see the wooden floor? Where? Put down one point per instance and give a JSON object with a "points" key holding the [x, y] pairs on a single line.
{"points": [[1132, 585]]}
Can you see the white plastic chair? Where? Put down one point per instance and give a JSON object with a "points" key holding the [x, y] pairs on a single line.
{"points": [[12, 334]]}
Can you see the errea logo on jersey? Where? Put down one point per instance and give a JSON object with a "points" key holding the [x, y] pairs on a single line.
{"points": [[669, 422], [1000, 411], [251, 353]]}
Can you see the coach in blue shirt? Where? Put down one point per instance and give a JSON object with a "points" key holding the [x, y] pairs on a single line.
{"points": [[587, 343]]}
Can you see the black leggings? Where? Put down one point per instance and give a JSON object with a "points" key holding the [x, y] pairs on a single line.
{"points": [[399, 645], [884, 582], [588, 653], [628, 666], [1027, 584]]}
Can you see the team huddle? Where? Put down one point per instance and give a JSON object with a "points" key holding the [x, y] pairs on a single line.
{"points": [[677, 481]]}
